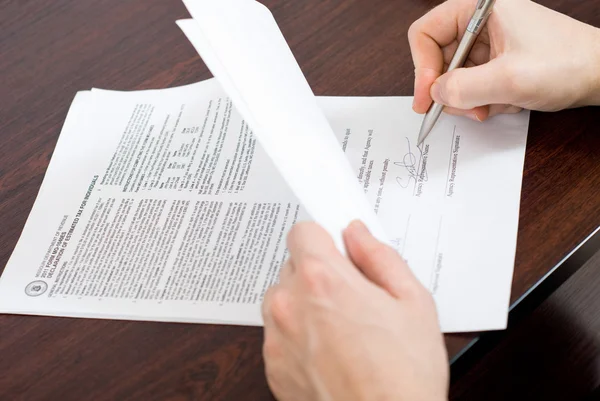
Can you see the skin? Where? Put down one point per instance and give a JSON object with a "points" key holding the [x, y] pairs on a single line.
{"points": [[363, 327], [527, 56]]}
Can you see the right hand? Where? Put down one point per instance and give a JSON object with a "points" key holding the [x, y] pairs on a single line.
{"points": [[527, 56]]}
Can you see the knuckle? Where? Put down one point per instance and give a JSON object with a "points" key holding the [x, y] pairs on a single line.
{"points": [[413, 30], [265, 307], [285, 271], [280, 308], [412, 289], [380, 254], [316, 275], [301, 229], [416, 292], [305, 235], [294, 234]]}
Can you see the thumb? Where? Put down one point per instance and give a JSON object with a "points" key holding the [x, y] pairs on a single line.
{"points": [[378, 262], [467, 88]]}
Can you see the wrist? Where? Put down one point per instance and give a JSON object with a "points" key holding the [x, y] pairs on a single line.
{"points": [[592, 93]]}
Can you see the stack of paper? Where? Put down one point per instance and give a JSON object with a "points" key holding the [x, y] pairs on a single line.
{"points": [[174, 204]]}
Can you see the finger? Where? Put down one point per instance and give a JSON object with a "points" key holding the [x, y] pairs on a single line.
{"points": [[378, 262], [448, 52], [478, 114], [265, 309], [427, 36], [310, 240], [271, 338], [480, 53], [320, 267], [467, 88], [484, 112], [503, 109], [286, 272], [284, 364], [273, 354], [424, 78], [277, 311]]}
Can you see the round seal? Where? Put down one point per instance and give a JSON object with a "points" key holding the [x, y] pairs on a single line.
{"points": [[36, 288]]}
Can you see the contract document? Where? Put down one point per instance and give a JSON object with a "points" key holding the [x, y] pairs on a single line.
{"points": [[162, 205], [174, 204]]}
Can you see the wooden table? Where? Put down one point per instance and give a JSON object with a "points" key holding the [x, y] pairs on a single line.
{"points": [[50, 50]]}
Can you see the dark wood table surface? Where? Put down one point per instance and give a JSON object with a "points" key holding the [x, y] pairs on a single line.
{"points": [[51, 49]]}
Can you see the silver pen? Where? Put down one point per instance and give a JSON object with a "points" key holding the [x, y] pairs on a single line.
{"points": [[478, 20]]}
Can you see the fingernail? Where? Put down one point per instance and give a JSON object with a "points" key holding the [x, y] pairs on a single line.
{"points": [[473, 116], [414, 91], [436, 93], [358, 228]]}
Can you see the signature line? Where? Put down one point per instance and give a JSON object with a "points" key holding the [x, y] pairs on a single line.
{"points": [[405, 234], [449, 161], [437, 243]]}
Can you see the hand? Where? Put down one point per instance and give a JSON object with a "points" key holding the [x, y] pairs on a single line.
{"points": [[355, 330], [527, 56]]}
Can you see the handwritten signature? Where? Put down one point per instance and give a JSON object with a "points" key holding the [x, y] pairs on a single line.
{"points": [[410, 162]]}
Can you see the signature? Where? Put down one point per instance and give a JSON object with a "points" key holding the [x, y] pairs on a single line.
{"points": [[410, 162]]}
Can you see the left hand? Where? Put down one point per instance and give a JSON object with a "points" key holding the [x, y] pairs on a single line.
{"points": [[359, 329]]}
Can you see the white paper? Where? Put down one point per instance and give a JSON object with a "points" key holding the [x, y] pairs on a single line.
{"points": [[241, 44], [149, 244]]}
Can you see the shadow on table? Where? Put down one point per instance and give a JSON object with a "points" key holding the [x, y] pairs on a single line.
{"points": [[552, 355]]}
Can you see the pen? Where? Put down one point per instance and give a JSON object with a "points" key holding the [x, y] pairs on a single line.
{"points": [[478, 20]]}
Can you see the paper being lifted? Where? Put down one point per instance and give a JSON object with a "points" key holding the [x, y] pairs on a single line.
{"points": [[242, 46], [161, 205]]}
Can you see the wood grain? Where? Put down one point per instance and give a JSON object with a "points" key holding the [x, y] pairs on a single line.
{"points": [[552, 355], [51, 50]]}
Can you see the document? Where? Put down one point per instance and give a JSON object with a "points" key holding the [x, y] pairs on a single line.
{"points": [[163, 205], [242, 45], [174, 204]]}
